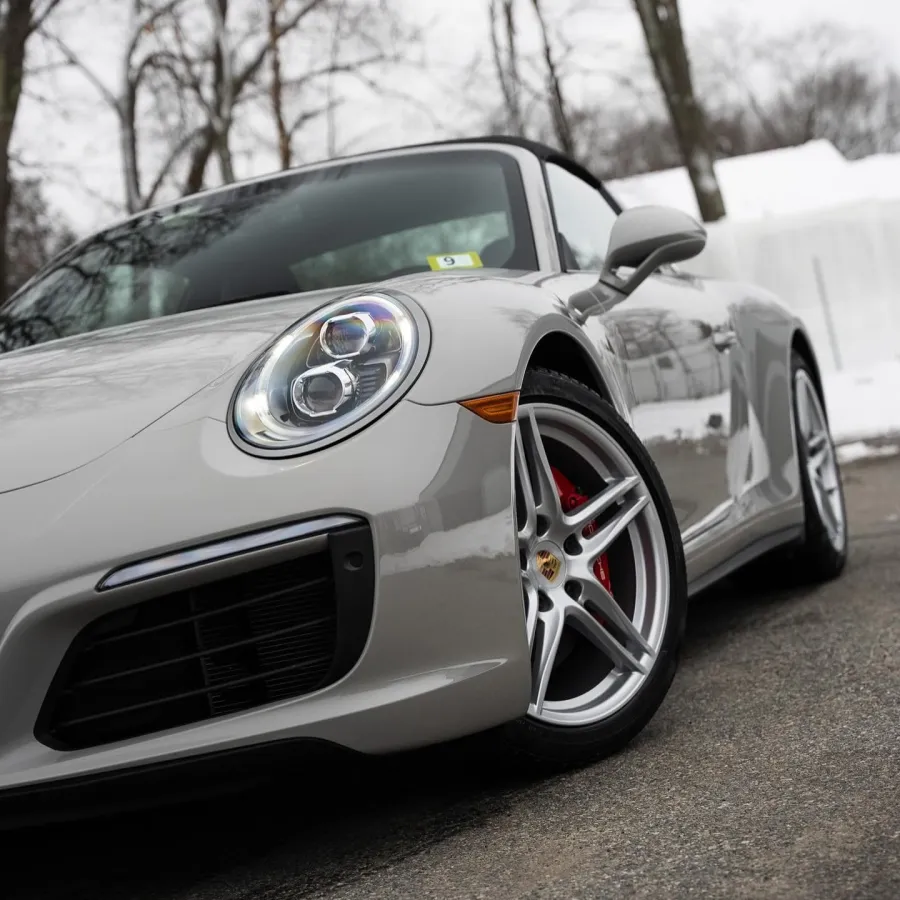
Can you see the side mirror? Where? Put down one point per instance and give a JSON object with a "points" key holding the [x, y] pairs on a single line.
{"points": [[647, 237]]}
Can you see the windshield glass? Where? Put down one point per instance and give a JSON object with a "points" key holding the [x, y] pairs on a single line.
{"points": [[352, 223]]}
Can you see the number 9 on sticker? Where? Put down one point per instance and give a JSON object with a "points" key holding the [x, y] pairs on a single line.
{"points": [[470, 260]]}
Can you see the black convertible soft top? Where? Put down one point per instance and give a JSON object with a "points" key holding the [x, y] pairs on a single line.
{"points": [[543, 151]]}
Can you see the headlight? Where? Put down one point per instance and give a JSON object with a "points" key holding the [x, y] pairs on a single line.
{"points": [[327, 373]]}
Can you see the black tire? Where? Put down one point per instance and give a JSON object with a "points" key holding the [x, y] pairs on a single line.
{"points": [[815, 559], [543, 745]]}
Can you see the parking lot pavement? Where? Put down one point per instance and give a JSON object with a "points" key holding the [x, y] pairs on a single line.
{"points": [[770, 771]]}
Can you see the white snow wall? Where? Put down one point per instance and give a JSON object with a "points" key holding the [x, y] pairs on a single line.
{"points": [[858, 251]]}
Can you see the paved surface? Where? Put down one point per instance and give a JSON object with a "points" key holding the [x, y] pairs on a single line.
{"points": [[771, 771]]}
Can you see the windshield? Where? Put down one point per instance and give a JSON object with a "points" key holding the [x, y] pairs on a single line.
{"points": [[341, 225]]}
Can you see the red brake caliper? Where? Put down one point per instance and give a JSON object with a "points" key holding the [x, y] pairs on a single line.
{"points": [[571, 499]]}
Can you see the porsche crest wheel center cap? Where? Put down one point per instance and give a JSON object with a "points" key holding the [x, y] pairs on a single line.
{"points": [[550, 564]]}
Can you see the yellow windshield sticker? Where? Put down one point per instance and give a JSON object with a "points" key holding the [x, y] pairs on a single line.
{"points": [[470, 260]]}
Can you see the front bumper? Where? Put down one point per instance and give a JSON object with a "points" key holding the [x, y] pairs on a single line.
{"points": [[446, 653]]}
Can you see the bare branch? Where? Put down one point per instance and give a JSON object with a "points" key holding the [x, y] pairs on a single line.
{"points": [[72, 59], [39, 17], [165, 169], [249, 71], [146, 24], [562, 126]]}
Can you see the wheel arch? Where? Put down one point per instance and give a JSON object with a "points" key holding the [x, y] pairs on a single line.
{"points": [[561, 353]]}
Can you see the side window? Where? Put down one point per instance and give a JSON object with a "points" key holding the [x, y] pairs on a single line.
{"points": [[583, 217]]}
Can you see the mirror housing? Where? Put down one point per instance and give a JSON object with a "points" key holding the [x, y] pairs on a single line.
{"points": [[647, 237]]}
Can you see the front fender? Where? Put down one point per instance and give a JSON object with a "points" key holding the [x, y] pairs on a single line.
{"points": [[486, 330]]}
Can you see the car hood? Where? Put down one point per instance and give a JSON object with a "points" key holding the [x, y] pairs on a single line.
{"points": [[65, 403]]}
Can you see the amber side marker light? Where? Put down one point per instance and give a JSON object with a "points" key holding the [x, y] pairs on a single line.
{"points": [[497, 408]]}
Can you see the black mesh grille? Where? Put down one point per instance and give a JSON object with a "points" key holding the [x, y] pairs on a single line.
{"points": [[227, 646]]}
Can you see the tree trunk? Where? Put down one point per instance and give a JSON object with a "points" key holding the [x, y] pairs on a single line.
{"points": [[506, 62], [15, 27], [126, 111], [661, 24], [200, 156], [124, 106], [223, 90], [276, 90], [562, 124]]}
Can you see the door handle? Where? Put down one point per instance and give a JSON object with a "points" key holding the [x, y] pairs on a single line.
{"points": [[724, 340]]}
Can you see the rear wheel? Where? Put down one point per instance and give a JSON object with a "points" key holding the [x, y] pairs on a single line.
{"points": [[823, 553], [602, 572]]}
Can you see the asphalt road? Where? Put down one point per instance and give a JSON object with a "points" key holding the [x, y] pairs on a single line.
{"points": [[771, 770]]}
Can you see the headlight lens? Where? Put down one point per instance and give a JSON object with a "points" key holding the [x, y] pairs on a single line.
{"points": [[326, 373]]}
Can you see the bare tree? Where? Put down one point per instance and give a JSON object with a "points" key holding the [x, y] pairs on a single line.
{"points": [[819, 81], [276, 90], [34, 234], [532, 90], [348, 43], [505, 56], [661, 24], [19, 20], [760, 92], [225, 88], [222, 76], [235, 69], [140, 71], [559, 113]]}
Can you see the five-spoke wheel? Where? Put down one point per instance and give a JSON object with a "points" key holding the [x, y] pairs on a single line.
{"points": [[591, 649], [602, 573]]}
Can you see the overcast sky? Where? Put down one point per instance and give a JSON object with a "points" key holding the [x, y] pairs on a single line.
{"points": [[73, 140]]}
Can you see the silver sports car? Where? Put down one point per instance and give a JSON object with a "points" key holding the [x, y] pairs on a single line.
{"points": [[382, 452]]}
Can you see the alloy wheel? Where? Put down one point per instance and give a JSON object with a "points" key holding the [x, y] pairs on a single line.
{"points": [[595, 574], [820, 460]]}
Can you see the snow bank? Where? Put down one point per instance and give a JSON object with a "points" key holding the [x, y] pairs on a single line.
{"points": [[876, 177], [807, 178], [864, 404], [811, 177], [848, 453], [818, 230]]}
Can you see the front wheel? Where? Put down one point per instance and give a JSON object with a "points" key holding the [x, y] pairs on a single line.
{"points": [[602, 571]]}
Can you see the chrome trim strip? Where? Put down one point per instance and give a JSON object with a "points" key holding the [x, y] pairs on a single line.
{"points": [[185, 559]]}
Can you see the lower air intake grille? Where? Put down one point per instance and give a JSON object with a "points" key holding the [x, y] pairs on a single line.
{"points": [[224, 647]]}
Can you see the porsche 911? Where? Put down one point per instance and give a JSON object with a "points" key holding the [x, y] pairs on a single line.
{"points": [[383, 452]]}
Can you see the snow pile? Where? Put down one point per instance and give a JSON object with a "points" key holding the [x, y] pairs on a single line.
{"points": [[817, 230], [876, 177], [849, 453], [807, 178], [864, 404]]}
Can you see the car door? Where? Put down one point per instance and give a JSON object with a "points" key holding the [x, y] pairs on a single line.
{"points": [[681, 358]]}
